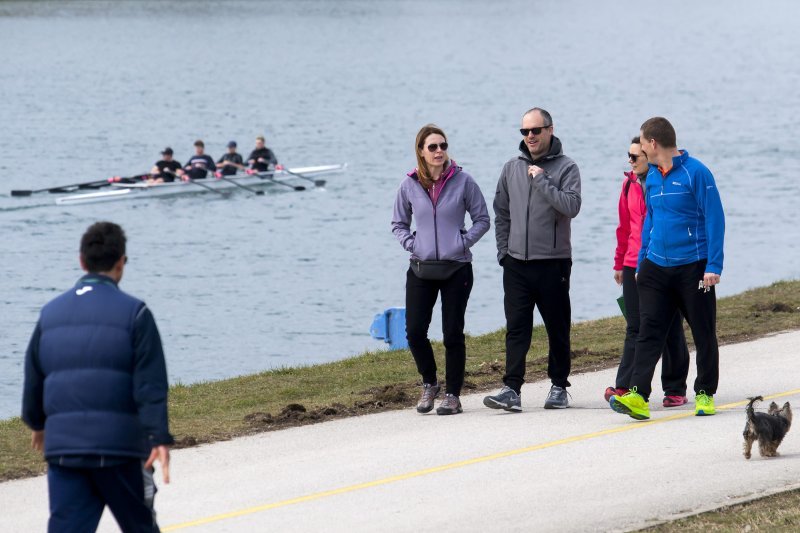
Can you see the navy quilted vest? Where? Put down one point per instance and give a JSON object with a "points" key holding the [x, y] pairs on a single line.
{"points": [[86, 353]]}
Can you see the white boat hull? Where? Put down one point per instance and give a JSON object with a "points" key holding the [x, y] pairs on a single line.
{"points": [[119, 191]]}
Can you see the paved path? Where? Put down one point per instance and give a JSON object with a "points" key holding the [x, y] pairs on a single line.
{"points": [[583, 469]]}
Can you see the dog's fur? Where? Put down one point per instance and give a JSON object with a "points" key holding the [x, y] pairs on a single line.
{"points": [[767, 428]]}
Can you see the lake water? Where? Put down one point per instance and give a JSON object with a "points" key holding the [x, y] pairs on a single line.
{"points": [[239, 285]]}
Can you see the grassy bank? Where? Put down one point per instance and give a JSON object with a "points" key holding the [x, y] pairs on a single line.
{"points": [[780, 512], [221, 410]]}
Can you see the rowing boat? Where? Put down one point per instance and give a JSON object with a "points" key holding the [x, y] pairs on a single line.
{"points": [[123, 191]]}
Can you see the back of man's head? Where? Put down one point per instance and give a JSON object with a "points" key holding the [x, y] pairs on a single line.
{"points": [[102, 246], [660, 130]]}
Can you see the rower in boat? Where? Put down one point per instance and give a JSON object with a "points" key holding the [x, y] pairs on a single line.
{"points": [[166, 169], [230, 162], [262, 158], [199, 164]]}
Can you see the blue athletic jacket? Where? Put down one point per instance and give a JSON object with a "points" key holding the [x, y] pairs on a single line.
{"points": [[95, 375], [684, 222]]}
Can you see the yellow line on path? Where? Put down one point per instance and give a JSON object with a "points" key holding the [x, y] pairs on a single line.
{"points": [[452, 466]]}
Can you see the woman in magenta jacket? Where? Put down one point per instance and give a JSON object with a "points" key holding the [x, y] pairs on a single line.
{"points": [[675, 358]]}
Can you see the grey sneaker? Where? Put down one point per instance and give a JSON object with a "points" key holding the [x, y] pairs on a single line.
{"points": [[450, 406], [558, 398], [429, 393], [505, 399]]}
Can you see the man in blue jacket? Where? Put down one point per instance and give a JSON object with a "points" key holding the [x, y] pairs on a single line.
{"points": [[95, 395], [680, 262]]}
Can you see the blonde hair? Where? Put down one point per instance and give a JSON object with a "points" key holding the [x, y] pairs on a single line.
{"points": [[423, 172]]}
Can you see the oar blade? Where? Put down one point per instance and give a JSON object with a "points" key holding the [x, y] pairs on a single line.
{"points": [[21, 193]]}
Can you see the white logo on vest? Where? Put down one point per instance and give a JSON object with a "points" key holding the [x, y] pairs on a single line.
{"points": [[83, 290]]}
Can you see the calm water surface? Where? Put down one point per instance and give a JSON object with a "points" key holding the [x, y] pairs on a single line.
{"points": [[238, 285]]}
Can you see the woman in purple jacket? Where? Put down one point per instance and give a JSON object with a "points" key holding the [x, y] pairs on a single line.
{"points": [[439, 194]]}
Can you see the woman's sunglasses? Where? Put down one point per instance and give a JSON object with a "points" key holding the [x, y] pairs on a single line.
{"points": [[633, 157], [432, 147]]}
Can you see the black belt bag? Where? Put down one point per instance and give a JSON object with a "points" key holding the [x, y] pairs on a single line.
{"points": [[436, 270]]}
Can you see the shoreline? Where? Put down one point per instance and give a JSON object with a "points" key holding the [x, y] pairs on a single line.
{"points": [[379, 381]]}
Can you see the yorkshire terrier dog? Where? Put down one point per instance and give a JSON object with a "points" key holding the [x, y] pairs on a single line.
{"points": [[767, 428]]}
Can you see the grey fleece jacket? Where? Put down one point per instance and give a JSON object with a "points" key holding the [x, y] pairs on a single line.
{"points": [[532, 215]]}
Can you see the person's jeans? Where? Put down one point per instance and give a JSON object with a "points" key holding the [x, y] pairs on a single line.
{"points": [[78, 496]]}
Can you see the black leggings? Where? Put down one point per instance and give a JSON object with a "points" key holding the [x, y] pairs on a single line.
{"points": [[675, 354], [421, 296]]}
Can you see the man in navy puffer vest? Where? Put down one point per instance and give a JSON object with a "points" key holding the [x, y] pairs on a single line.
{"points": [[95, 395]]}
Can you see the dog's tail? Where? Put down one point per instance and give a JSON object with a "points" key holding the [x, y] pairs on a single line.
{"points": [[750, 412]]}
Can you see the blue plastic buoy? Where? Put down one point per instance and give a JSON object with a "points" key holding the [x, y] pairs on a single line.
{"points": [[390, 326]]}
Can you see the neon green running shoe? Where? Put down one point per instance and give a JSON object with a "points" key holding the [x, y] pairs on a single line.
{"points": [[704, 404], [632, 404]]}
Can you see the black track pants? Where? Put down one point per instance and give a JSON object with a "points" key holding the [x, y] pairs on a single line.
{"points": [[543, 284], [662, 291]]}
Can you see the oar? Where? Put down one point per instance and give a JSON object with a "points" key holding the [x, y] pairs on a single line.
{"points": [[63, 188], [203, 185], [223, 178], [317, 183], [273, 180], [85, 185], [212, 189]]}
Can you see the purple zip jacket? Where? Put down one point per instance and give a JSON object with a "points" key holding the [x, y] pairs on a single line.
{"points": [[440, 231]]}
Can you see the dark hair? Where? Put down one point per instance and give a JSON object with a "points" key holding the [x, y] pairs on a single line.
{"points": [[660, 130], [548, 120], [198, 142], [636, 140], [102, 246], [423, 172]]}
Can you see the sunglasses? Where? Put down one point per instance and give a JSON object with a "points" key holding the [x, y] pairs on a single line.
{"points": [[536, 131], [432, 147], [634, 157]]}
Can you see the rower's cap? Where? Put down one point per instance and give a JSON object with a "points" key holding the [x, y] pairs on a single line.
{"points": [[166, 151], [231, 144]]}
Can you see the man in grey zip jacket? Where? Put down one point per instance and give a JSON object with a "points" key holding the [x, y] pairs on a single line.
{"points": [[538, 194]]}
